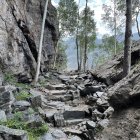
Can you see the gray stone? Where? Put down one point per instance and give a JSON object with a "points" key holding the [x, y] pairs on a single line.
{"points": [[3, 116], [58, 92], [11, 88], [21, 105], [6, 97], [103, 123], [109, 112], [41, 111], [36, 92], [59, 135], [71, 131], [35, 121], [90, 90], [73, 122], [75, 138], [56, 87], [102, 102], [64, 78], [59, 120], [36, 101], [96, 115], [2, 89], [13, 134], [47, 136], [6, 107], [74, 114], [49, 115], [54, 135], [56, 104], [91, 100], [90, 125], [99, 94]]}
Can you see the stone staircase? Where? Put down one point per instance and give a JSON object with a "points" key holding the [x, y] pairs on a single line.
{"points": [[74, 106]]}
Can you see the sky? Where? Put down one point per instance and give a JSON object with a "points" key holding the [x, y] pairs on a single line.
{"points": [[95, 5]]}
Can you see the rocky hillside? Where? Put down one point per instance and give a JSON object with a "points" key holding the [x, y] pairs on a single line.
{"points": [[123, 96], [20, 33]]}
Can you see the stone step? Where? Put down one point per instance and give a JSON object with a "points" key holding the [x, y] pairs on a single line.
{"points": [[74, 114], [56, 87], [56, 104], [62, 98], [57, 92], [74, 121]]}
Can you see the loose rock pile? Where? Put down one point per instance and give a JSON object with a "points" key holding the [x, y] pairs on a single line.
{"points": [[74, 106]]}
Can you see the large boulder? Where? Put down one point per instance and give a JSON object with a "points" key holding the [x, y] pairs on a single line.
{"points": [[111, 71], [124, 97], [12, 134], [126, 92]]}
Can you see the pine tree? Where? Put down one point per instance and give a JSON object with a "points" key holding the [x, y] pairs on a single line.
{"points": [[87, 33]]}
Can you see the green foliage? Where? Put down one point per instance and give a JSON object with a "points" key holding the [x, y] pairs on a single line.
{"points": [[18, 123], [108, 44], [87, 26], [23, 86], [99, 60], [67, 15], [9, 78], [22, 95]]}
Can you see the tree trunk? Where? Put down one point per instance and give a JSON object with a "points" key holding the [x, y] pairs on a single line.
{"points": [[55, 56], [137, 14], [85, 47], [81, 54], [40, 45], [115, 28], [77, 44], [128, 41]]}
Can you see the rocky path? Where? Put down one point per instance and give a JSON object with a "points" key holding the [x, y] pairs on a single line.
{"points": [[73, 105]]}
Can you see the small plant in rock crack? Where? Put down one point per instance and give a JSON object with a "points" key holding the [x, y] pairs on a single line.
{"points": [[9, 78], [22, 95], [23, 86], [17, 122]]}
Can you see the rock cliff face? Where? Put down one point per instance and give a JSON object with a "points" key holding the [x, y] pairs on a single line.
{"points": [[20, 33]]}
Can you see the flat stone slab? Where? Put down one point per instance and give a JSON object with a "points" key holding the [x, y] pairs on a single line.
{"points": [[57, 92], [74, 138], [56, 104], [3, 116], [13, 134], [73, 121], [56, 87], [72, 131], [21, 105], [74, 114]]}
